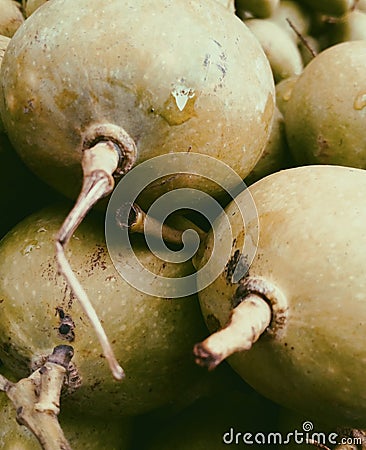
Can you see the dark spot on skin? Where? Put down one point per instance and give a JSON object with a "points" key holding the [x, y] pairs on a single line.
{"points": [[66, 326], [1, 300], [213, 323], [29, 107], [238, 265]]}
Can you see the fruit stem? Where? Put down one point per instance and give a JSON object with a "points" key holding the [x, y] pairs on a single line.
{"points": [[140, 222], [302, 39], [37, 399], [99, 163], [247, 322]]}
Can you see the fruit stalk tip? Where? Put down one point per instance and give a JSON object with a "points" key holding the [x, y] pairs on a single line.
{"points": [[247, 323]]}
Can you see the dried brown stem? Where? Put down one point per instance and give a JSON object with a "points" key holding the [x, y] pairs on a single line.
{"points": [[171, 234], [302, 39], [37, 399], [247, 322], [99, 163]]}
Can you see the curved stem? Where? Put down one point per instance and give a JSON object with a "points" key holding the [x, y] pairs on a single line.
{"points": [[247, 322], [37, 399], [99, 163], [172, 235]]}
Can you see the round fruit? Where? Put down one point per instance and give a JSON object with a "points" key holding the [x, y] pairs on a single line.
{"points": [[257, 8], [152, 336], [11, 17], [282, 52], [179, 83], [325, 115], [303, 298], [351, 27]]}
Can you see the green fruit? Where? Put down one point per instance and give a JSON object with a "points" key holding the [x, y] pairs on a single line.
{"points": [[309, 266], [283, 92], [257, 8], [325, 115], [282, 53], [152, 336], [276, 155], [82, 432], [178, 83], [217, 422], [11, 17]]}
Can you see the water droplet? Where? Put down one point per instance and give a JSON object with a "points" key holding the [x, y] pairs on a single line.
{"points": [[182, 94], [360, 101], [41, 230], [30, 247]]}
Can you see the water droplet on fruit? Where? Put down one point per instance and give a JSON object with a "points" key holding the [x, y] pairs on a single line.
{"points": [[360, 101], [30, 247], [182, 94]]}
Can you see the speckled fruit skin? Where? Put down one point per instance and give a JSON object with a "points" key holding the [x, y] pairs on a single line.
{"points": [[76, 65], [152, 337], [325, 115], [312, 247]]}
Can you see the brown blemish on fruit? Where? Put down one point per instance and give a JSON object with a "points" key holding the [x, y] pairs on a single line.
{"points": [[323, 147], [238, 263], [213, 323], [98, 260], [66, 326]]}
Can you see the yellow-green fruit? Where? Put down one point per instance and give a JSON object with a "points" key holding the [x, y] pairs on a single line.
{"points": [[325, 115], [351, 27], [282, 53], [283, 92], [330, 7], [276, 155], [29, 6], [257, 8], [229, 4], [310, 257], [178, 83], [82, 432], [4, 41], [292, 11], [152, 337], [11, 17]]}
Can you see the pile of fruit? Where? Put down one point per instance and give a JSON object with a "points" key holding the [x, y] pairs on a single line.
{"points": [[182, 229]]}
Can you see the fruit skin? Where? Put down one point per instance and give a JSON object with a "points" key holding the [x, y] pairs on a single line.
{"points": [[152, 337], [11, 17], [351, 27], [82, 432], [281, 51], [179, 52], [258, 8], [276, 155], [325, 114], [312, 247]]}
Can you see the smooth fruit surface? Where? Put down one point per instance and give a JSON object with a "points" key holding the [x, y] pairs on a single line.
{"points": [[178, 83], [326, 112], [312, 247], [152, 337]]}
